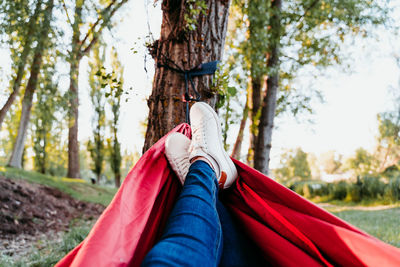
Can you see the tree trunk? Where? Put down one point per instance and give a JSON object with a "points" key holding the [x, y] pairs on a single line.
{"points": [[117, 180], [74, 60], [98, 176], [13, 95], [237, 148], [255, 107], [73, 145], [263, 148], [22, 60], [16, 156], [187, 49]]}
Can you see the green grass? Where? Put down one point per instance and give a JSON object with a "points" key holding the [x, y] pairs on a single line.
{"points": [[50, 253], [77, 188], [379, 221]]}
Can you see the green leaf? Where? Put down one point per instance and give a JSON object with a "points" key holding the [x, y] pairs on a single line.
{"points": [[232, 91]]}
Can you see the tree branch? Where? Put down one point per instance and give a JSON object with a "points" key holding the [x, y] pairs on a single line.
{"points": [[66, 12], [101, 16], [301, 18], [104, 23]]}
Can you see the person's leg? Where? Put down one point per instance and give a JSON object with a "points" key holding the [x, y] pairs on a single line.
{"points": [[193, 235], [237, 251]]}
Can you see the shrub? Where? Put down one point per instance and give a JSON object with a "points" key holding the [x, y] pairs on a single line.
{"points": [[339, 190], [298, 188], [354, 193], [320, 189], [372, 187], [392, 190], [307, 190]]}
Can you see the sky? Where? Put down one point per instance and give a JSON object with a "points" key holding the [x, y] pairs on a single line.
{"points": [[346, 120]]}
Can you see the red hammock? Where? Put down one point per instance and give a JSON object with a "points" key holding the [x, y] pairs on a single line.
{"points": [[288, 229]]}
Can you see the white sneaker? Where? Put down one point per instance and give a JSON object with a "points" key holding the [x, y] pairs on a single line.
{"points": [[207, 143], [176, 150]]}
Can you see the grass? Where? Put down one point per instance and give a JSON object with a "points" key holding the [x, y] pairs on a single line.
{"points": [[49, 253], [379, 221], [77, 188]]}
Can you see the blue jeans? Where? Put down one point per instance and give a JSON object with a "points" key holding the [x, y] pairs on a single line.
{"points": [[193, 235]]}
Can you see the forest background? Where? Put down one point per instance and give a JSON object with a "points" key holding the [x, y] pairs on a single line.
{"points": [[308, 92], [337, 114]]}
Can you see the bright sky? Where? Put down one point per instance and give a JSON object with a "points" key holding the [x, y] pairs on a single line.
{"points": [[344, 122]]}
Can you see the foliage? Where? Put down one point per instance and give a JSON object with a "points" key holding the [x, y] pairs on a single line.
{"points": [[388, 147], [97, 96], [306, 40], [331, 162], [114, 100], [192, 12], [10, 129], [361, 163], [307, 28], [110, 84], [392, 191], [363, 189], [19, 17], [226, 96], [46, 130], [309, 189], [89, 22], [294, 165]]}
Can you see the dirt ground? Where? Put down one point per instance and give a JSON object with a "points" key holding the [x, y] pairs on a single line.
{"points": [[31, 212]]}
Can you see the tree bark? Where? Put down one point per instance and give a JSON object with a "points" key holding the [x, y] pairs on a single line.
{"points": [[73, 145], [73, 114], [263, 148], [237, 147], [16, 156], [22, 61], [187, 49]]}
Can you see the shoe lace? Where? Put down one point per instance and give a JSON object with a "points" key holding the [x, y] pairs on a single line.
{"points": [[197, 140], [182, 161]]}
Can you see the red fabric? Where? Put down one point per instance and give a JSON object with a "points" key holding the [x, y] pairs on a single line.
{"points": [[288, 229]]}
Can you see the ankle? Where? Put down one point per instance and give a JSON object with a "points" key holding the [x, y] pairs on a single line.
{"points": [[193, 160]]}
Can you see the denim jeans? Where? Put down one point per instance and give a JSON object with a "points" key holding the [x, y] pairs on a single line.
{"points": [[193, 235]]}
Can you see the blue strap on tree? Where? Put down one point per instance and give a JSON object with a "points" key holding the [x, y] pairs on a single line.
{"points": [[202, 69]]}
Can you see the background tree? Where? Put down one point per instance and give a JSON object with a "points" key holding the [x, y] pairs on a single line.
{"points": [[294, 165], [304, 29], [45, 131], [361, 163], [257, 45], [21, 27], [97, 96], [388, 139], [80, 47], [116, 90], [42, 43], [192, 32], [283, 40], [331, 162]]}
